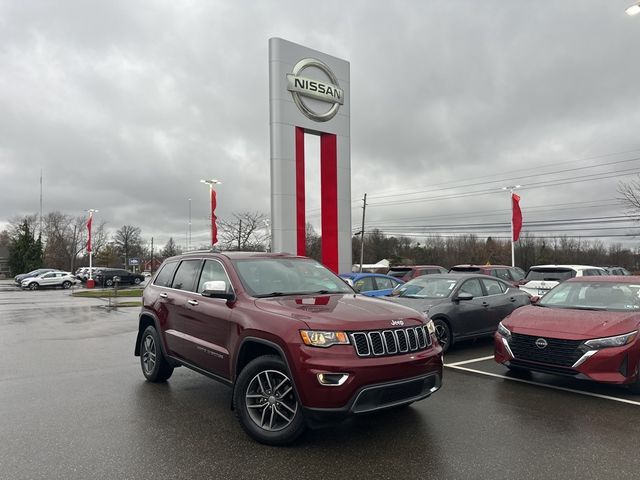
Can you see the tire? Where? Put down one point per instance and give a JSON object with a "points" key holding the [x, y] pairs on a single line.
{"points": [[443, 334], [66, 284], [270, 416], [137, 281], [34, 286], [108, 282], [155, 367]]}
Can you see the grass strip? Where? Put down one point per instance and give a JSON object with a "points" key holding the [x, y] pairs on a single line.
{"points": [[109, 293]]}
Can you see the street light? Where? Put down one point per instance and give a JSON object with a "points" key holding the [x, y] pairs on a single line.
{"points": [[214, 229], [90, 282], [633, 9]]}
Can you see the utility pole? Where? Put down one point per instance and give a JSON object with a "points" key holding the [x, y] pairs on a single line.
{"points": [[189, 237], [151, 267], [40, 203], [239, 233], [364, 209]]}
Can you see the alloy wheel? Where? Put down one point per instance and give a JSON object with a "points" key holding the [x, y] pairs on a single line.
{"points": [[270, 400], [148, 354]]}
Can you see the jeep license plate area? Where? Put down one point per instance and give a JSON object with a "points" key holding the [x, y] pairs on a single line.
{"points": [[384, 396]]}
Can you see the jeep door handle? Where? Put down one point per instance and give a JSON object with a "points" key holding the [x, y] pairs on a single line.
{"points": [[192, 302], [164, 295]]}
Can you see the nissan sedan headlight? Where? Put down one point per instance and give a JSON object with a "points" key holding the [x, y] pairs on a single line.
{"points": [[320, 338], [617, 341], [504, 331]]}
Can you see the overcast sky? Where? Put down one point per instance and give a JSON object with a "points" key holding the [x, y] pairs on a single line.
{"points": [[124, 105]]}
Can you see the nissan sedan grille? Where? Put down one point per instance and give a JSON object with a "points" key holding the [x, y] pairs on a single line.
{"points": [[376, 343]]}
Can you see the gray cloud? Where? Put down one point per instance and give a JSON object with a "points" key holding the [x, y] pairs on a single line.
{"points": [[126, 105]]}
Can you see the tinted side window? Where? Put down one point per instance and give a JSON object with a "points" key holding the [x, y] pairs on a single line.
{"points": [[165, 276], [384, 283], [186, 275], [213, 271], [493, 287], [592, 272], [502, 273], [473, 287], [364, 284]]}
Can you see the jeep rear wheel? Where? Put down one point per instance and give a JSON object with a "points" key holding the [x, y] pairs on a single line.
{"points": [[265, 402], [154, 366]]}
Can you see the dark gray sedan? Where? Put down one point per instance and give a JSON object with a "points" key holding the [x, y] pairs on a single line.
{"points": [[461, 305]]}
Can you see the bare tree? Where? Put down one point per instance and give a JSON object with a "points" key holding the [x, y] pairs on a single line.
{"points": [[246, 231], [630, 192], [128, 241]]}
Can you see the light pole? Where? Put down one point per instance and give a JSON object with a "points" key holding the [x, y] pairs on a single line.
{"points": [[90, 282], [214, 228], [513, 252]]}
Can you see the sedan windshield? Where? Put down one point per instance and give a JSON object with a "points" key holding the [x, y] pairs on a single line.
{"points": [[272, 277], [594, 296], [427, 287]]}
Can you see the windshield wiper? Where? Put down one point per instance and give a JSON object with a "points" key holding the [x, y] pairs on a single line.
{"points": [[283, 294]]}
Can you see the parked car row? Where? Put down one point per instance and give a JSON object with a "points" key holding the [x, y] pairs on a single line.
{"points": [[45, 277], [303, 347], [104, 277]]}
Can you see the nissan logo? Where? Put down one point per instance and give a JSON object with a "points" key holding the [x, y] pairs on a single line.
{"points": [[541, 343], [329, 92]]}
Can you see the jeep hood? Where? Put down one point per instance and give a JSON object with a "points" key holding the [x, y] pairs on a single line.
{"points": [[341, 311]]}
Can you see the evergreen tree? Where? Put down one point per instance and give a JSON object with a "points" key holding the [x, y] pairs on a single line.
{"points": [[25, 251]]}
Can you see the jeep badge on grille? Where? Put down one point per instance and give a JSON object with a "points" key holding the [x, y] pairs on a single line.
{"points": [[397, 323]]}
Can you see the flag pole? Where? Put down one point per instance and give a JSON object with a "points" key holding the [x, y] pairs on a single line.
{"points": [[90, 282], [511, 190]]}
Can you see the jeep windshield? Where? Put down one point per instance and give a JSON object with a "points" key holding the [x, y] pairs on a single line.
{"points": [[274, 277]]}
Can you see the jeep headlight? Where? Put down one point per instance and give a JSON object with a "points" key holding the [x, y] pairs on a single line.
{"points": [[321, 338], [617, 341]]}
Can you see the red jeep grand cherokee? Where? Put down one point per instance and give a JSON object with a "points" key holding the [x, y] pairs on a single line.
{"points": [[294, 341]]}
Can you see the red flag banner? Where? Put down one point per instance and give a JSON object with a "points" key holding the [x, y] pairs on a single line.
{"points": [[214, 227], [89, 236], [516, 217]]}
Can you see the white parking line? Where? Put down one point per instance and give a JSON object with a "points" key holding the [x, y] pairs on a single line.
{"points": [[597, 395], [464, 362]]}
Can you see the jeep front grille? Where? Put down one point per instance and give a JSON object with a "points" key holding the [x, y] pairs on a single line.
{"points": [[376, 343]]}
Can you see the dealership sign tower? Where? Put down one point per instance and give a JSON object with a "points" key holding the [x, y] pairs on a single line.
{"points": [[309, 94]]}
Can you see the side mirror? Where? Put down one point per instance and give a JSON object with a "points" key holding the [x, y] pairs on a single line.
{"points": [[464, 296], [217, 289], [535, 299]]}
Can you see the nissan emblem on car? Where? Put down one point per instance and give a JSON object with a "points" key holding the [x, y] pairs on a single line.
{"points": [[300, 86], [541, 343]]}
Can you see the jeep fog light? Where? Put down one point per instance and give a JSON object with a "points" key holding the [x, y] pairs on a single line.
{"points": [[332, 379]]}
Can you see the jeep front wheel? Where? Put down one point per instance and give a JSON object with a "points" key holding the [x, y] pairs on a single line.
{"points": [[266, 403], [154, 366]]}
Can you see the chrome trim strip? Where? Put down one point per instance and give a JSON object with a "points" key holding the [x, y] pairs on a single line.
{"points": [[584, 358], [394, 341], [373, 348], [340, 382], [506, 345]]}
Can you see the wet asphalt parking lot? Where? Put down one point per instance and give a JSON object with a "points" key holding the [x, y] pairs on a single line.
{"points": [[74, 405]]}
